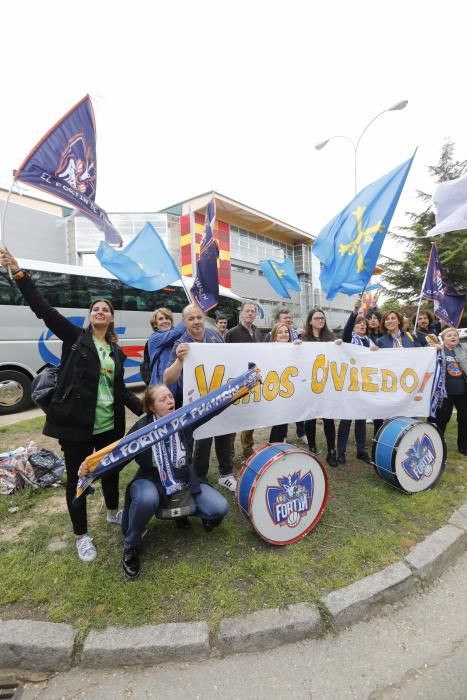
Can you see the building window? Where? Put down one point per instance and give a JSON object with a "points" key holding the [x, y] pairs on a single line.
{"points": [[253, 247]]}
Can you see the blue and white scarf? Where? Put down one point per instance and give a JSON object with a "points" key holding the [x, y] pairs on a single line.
{"points": [[358, 340], [132, 444], [166, 454]]}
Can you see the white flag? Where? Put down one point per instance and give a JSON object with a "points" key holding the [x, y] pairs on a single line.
{"points": [[450, 199]]}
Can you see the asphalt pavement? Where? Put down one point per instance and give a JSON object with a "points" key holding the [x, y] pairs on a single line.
{"points": [[415, 649]]}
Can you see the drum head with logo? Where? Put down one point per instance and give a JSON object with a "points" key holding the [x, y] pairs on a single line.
{"points": [[288, 494], [419, 458]]}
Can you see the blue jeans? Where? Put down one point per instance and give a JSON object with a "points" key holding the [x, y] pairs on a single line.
{"points": [[343, 435], [145, 502]]}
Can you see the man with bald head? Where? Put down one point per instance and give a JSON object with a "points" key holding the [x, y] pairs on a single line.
{"points": [[196, 332]]}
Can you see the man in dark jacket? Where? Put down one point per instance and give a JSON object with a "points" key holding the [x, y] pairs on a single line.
{"points": [[196, 332], [245, 332]]}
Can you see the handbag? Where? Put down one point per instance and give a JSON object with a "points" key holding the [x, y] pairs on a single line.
{"points": [[45, 382], [177, 505]]}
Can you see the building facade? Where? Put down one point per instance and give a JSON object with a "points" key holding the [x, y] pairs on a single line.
{"points": [[44, 230]]}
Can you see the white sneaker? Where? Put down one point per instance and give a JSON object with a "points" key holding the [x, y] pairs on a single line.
{"points": [[228, 482], [86, 549], [115, 518]]}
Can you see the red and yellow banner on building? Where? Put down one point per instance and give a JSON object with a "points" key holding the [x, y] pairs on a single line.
{"points": [[222, 238]]}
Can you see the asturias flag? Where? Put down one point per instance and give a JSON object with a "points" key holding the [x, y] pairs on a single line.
{"points": [[448, 302], [282, 276], [144, 263], [205, 289], [350, 244], [63, 164]]}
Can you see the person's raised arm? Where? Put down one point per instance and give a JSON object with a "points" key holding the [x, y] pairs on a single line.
{"points": [[160, 339], [55, 321], [348, 328], [173, 371]]}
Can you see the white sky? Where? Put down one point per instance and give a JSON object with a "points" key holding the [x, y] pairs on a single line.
{"points": [[197, 95]]}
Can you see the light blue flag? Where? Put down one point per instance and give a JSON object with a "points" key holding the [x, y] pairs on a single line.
{"points": [[350, 244], [281, 276], [144, 263]]}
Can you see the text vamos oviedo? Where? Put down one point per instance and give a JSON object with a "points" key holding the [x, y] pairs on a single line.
{"points": [[339, 376]]}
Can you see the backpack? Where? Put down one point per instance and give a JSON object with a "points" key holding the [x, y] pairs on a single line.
{"points": [[146, 366]]}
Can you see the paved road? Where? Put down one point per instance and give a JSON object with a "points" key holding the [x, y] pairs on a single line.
{"points": [[24, 415], [416, 649]]}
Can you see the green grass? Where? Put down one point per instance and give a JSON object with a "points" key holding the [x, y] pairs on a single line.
{"points": [[191, 575]]}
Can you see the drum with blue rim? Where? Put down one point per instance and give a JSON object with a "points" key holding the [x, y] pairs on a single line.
{"points": [[409, 454], [282, 490]]}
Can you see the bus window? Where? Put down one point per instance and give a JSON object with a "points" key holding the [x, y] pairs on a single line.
{"points": [[27, 345], [8, 292]]}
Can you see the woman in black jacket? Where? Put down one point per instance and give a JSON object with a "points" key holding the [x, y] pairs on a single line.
{"points": [[374, 319], [316, 330], [356, 332], [87, 410]]}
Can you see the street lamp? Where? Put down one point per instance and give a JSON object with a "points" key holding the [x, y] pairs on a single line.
{"points": [[395, 108]]}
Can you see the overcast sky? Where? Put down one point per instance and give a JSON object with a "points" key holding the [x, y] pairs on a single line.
{"points": [[233, 96]]}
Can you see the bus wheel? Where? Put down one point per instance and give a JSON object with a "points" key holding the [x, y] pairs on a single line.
{"points": [[15, 391]]}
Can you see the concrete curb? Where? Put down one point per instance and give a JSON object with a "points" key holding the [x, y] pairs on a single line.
{"points": [[367, 596], [266, 629], [150, 644], [47, 646], [36, 646]]}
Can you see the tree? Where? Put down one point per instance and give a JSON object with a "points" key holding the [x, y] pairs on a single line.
{"points": [[402, 281]]}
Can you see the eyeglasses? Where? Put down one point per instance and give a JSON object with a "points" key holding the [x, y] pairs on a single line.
{"points": [[318, 318]]}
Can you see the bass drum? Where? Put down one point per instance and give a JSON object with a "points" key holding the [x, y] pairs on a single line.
{"points": [[409, 454], [282, 490]]}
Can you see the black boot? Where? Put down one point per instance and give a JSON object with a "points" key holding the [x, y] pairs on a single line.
{"points": [[182, 523], [331, 458], [130, 562], [364, 456], [341, 458], [209, 525]]}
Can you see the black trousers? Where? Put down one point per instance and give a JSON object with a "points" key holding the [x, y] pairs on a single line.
{"points": [[74, 453], [329, 431], [278, 433], [444, 413], [202, 453]]}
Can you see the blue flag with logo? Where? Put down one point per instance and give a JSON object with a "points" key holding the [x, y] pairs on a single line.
{"points": [[205, 289], [448, 302], [63, 164], [144, 263], [350, 244], [282, 276]]}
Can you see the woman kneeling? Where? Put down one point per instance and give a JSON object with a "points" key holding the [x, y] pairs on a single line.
{"points": [[164, 469]]}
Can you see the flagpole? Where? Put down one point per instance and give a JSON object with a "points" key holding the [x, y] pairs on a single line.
{"points": [[188, 295], [423, 287], [2, 223], [193, 243]]}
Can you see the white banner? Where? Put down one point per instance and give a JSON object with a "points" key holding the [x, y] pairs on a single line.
{"points": [[311, 380]]}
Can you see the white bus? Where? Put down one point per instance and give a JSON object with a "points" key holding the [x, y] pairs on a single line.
{"points": [[26, 344]]}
